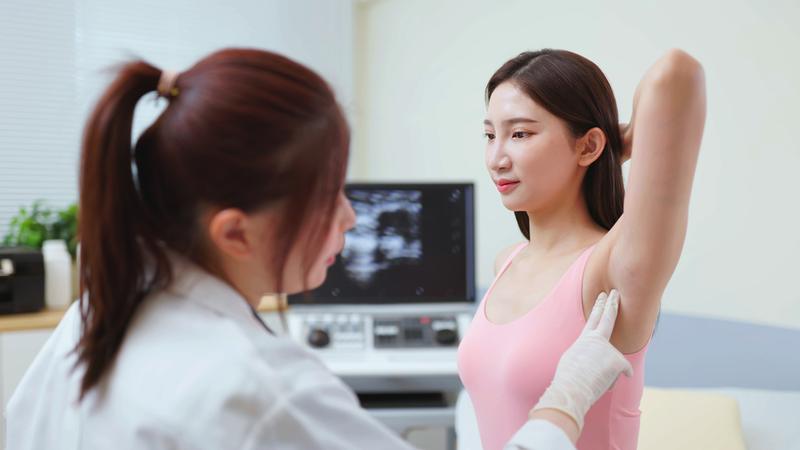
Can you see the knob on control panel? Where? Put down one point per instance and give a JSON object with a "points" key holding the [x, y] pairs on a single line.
{"points": [[318, 338], [446, 336]]}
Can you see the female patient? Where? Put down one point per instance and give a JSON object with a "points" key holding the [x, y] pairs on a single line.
{"points": [[554, 149]]}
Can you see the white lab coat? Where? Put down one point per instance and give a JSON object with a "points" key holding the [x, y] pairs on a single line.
{"points": [[198, 371]]}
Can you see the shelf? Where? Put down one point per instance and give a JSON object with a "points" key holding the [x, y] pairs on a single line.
{"points": [[45, 319], [48, 318]]}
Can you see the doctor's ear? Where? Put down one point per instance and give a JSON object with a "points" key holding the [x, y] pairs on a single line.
{"points": [[590, 146], [237, 234]]}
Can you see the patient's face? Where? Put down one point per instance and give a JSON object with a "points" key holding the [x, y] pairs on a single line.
{"points": [[528, 144]]}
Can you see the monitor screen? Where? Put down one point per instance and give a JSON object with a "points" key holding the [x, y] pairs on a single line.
{"points": [[412, 243]]}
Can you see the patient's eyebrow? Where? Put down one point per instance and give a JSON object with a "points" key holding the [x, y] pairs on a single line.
{"points": [[512, 121]]}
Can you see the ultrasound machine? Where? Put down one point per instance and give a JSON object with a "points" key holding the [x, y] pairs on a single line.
{"points": [[393, 308]]}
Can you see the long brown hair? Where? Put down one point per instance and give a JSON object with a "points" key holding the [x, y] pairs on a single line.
{"points": [[247, 129], [575, 90]]}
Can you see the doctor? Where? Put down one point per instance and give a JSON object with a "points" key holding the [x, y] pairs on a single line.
{"points": [[234, 192]]}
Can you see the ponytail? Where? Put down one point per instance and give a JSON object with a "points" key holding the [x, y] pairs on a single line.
{"points": [[113, 226]]}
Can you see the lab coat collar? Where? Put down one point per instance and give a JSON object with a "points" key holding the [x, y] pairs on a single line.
{"points": [[193, 283]]}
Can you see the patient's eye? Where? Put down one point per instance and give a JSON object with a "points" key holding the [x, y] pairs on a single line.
{"points": [[489, 136], [520, 134]]}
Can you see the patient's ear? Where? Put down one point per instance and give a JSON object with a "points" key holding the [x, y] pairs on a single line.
{"points": [[590, 146]]}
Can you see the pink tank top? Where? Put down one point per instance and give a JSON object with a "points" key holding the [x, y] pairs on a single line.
{"points": [[505, 368]]}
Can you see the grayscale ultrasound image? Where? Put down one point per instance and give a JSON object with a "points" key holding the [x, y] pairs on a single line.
{"points": [[411, 243], [387, 233]]}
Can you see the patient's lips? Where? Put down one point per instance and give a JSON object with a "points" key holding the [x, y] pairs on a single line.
{"points": [[505, 185]]}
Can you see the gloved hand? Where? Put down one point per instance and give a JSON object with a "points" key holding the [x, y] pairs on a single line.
{"points": [[589, 367]]}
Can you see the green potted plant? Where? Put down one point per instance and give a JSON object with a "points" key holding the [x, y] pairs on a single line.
{"points": [[38, 223]]}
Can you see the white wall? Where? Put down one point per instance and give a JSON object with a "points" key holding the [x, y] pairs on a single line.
{"points": [[53, 57], [422, 67]]}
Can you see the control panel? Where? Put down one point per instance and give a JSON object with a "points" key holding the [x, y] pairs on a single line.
{"points": [[415, 332], [359, 331]]}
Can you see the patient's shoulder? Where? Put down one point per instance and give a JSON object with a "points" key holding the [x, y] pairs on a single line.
{"points": [[504, 254]]}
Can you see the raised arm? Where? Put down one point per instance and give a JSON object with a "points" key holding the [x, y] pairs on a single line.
{"points": [[663, 141]]}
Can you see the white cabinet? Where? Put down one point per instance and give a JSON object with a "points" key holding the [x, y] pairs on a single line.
{"points": [[17, 351]]}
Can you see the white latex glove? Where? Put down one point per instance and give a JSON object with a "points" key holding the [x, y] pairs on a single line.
{"points": [[589, 367]]}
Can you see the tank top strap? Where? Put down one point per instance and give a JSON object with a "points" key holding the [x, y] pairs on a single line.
{"points": [[497, 276], [510, 258]]}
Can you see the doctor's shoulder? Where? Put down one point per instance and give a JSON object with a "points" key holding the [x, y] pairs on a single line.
{"points": [[249, 396]]}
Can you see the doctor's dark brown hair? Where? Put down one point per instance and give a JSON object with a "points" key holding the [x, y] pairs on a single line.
{"points": [[575, 90], [248, 129]]}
